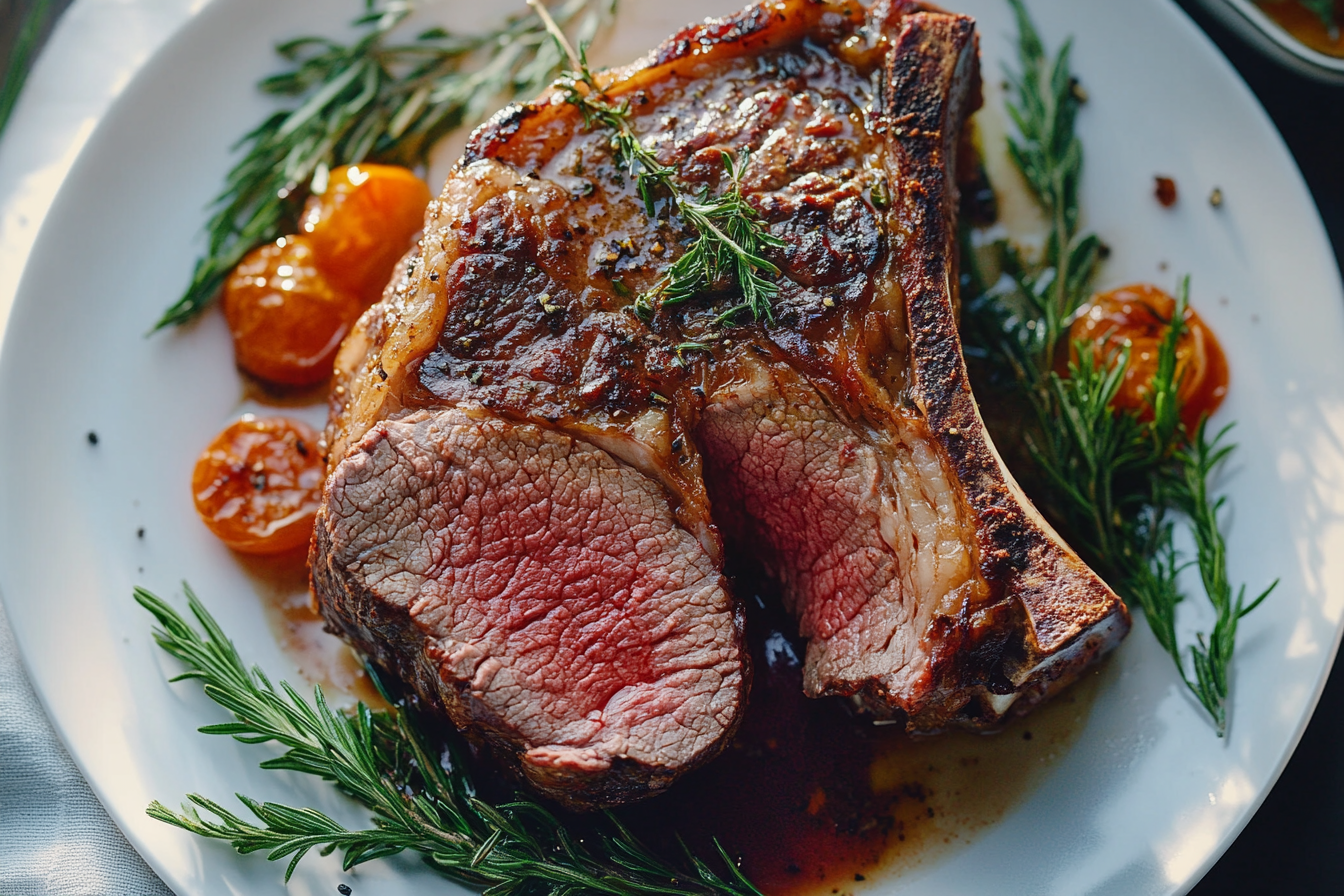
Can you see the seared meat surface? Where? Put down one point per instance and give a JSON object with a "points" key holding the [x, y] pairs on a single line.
{"points": [[531, 486]]}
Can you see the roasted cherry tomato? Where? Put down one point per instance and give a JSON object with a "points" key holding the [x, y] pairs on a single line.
{"points": [[259, 483], [286, 317], [363, 223], [1138, 315]]}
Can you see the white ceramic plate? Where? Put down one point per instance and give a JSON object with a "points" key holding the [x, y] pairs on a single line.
{"points": [[1144, 802]]}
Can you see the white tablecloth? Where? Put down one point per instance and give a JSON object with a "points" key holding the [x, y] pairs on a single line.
{"points": [[55, 838]]}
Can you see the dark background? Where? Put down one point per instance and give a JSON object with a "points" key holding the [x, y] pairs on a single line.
{"points": [[1295, 843]]}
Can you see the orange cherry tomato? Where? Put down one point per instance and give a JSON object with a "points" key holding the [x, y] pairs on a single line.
{"points": [[362, 225], [286, 317], [1138, 315], [258, 485]]}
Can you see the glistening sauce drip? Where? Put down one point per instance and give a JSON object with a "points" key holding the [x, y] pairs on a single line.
{"points": [[815, 801], [812, 799], [275, 396], [1306, 26], [322, 658]]}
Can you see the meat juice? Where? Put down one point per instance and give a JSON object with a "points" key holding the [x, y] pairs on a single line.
{"points": [[812, 798], [817, 800], [322, 658]]}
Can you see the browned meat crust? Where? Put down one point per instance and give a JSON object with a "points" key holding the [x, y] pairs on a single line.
{"points": [[840, 442]]}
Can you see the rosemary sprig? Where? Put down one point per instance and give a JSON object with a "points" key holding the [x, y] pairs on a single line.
{"points": [[1211, 659], [1050, 157], [1111, 478], [422, 800], [1082, 455], [730, 237], [369, 100]]}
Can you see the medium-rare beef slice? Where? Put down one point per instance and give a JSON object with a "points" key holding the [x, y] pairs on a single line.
{"points": [[839, 441], [858, 527], [538, 590]]}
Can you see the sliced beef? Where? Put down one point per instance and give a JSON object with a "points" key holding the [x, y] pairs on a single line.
{"points": [[538, 590], [863, 529], [531, 486]]}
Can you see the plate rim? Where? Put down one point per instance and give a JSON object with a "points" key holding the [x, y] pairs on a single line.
{"points": [[193, 17]]}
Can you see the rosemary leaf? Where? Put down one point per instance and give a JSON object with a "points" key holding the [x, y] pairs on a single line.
{"points": [[420, 802], [371, 100], [1114, 480]]}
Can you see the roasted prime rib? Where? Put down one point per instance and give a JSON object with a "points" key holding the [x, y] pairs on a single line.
{"points": [[531, 486]]}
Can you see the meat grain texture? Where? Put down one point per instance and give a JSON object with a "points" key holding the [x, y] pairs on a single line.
{"points": [[532, 489]]}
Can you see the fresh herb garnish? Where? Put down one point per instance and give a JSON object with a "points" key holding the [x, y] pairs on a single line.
{"points": [[1211, 659], [581, 90], [1050, 157], [1112, 478], [371, 100], [422, 799], [728, 245], [730, 237]]}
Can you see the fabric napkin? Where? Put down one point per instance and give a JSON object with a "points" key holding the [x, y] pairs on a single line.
{"points": [[55, 837]]}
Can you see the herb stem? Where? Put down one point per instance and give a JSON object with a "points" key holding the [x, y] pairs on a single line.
{"points": [[370, 100], [419, 801], [730, 237], [1113, 479], [575, 63]]}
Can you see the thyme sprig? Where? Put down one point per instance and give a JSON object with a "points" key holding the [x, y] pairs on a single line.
{"points": [[728, 247], [1113, 479], [422, 799], [638, 161], [730, 239], [370, 100], [580, 89]]}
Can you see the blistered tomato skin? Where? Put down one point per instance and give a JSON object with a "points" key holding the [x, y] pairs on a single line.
{"points": [[286, 317], [363, 223], [258, 485], [1138, 315]]}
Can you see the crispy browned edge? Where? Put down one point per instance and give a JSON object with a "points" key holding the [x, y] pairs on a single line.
{"points": [[923, 128], [375, 627], [756, 29], [1072, 616]]}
